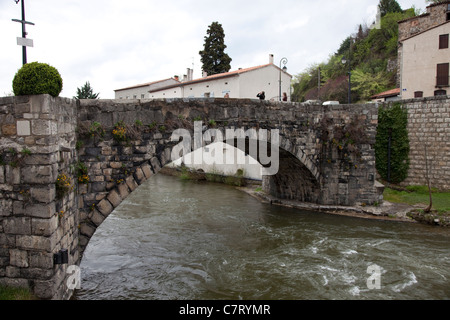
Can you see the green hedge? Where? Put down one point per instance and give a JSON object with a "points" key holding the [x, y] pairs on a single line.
{"points": [[37, 78], [394, 119]]}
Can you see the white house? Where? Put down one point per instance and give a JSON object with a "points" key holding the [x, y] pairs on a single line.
{"points": [[141, 91], [242, 83]]}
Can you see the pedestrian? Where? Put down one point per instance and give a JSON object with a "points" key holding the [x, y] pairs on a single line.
{"points": [[284, 96], [261, 95]]}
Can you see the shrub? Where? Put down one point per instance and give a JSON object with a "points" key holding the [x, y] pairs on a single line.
{"points": [[63, 185], [37, 78], [120, 132], [392, 121]]}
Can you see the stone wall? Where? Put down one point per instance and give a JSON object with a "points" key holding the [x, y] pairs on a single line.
{"points": [[436, 14], [429, 127], [37, 143]]}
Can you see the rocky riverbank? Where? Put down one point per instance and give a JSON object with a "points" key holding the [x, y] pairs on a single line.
{"points": [[385, 211]]}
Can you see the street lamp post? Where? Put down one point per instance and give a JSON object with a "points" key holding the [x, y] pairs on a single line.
{"points": [[344, 61], [347, 61], [282, 61], [24, 32]]}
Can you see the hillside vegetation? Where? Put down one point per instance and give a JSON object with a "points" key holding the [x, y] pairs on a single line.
{"points": [[373, 64]]}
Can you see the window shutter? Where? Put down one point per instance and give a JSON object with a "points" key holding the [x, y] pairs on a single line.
{"points": [[442, 74], [443, 41]]}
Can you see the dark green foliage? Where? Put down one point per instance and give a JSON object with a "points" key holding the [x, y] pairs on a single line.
{"points": [[37, 78], [369, 51], [389, 6], [392, 119], [213, 56], [86, 92]]}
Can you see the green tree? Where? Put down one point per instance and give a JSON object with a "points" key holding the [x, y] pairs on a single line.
{"points": [[389, 6], [213, 57], [86, 92], [367, 84]]}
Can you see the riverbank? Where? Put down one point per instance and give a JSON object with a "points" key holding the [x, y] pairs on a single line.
{"points": [[396, 211], [389, 211], [385, 211]]}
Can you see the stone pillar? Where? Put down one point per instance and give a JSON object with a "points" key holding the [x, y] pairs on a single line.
{"points": [[37, 144]]}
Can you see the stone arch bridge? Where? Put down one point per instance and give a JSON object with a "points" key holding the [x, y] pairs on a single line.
{"points": [[66, 164]]}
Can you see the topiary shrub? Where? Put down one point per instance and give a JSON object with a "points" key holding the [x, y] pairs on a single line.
{"points": [[37, 78]]}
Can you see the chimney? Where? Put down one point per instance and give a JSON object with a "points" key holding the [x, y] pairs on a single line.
{"points": [[190, 74], [205, 74], [271, 58], [176, 78]]}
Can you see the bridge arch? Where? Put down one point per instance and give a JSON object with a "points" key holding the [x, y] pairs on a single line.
{"points": [[296, 177]]}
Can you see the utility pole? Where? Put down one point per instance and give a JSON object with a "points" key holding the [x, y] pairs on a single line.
{"points": [[24, 42]]}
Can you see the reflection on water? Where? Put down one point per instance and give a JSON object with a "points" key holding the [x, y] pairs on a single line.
{"points": [[175, 239]]}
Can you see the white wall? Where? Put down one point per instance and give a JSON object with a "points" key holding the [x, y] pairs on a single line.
{"points": [[140, 90], [246, 85], [227, 166], [265, 79]]}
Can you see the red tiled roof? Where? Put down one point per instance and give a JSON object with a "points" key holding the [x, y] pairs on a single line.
{"points": [[389, 93], [215, 76], [144, 84]]}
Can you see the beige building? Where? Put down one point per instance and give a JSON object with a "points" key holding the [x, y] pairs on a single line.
{"points": [[424, 53]]}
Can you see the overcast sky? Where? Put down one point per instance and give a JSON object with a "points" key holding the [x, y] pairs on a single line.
{"points": [[116, 43]]}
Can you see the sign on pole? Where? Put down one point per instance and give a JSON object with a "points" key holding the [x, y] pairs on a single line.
{"points": [[24, 42]]}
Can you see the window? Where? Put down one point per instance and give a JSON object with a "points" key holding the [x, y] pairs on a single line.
{"points": [[143, 96], [440, 93], [418, 94], [442, 74], [443, 41]]}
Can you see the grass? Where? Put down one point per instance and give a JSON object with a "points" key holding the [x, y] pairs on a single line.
{"points": [[10, 293], [419, 195]]}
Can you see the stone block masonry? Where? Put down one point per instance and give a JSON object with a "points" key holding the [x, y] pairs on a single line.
{"points": [[37, 144], [429, 138]]}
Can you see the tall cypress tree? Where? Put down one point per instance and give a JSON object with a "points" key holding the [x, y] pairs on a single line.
{"points": [[213, 56]]}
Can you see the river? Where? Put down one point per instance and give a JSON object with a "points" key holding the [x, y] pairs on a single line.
{"points": [[175, 239]]}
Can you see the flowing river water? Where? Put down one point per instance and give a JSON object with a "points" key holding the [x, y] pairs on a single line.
{"points": [[174, 239]]}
